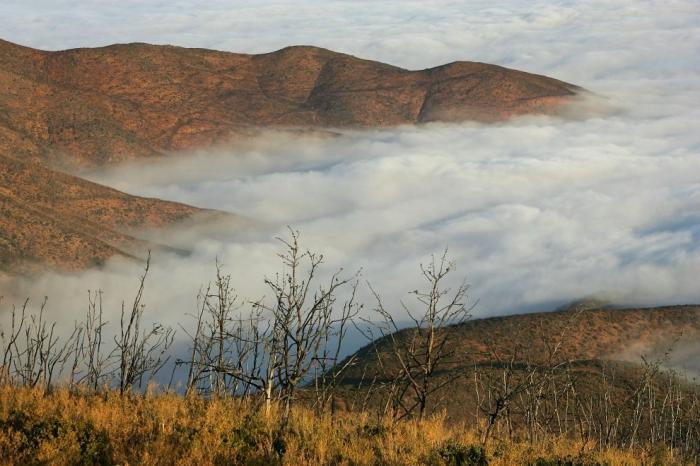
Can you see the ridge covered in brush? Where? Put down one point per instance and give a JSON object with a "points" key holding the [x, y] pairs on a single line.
{"points": [[85, 108], [88, 107], [585, 334], [595, 344], [52, 219]]}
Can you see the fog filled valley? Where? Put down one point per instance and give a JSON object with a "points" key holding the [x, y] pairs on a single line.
{"points": [[569, 321], [537, 211]]}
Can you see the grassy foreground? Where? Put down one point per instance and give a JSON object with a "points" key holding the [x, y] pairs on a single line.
{"points": [[63, 428]]}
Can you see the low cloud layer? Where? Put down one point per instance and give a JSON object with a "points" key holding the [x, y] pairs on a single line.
{"points": [[537, 212]]}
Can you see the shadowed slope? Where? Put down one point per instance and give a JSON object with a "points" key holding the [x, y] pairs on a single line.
{"points": [[588, 334], [599, 349]]}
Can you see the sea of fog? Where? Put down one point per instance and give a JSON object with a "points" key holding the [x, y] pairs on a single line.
{"points": [[536, 211]]}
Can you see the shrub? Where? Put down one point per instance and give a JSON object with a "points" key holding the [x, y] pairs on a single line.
{"points": [[94, 445], [566, 461], [452, 453]]}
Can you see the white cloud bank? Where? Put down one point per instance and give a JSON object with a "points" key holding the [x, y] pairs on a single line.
{"points": [[537, 212]]}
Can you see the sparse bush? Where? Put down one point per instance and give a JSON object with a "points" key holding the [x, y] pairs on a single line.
{"points": [[566, 461], [32, 432], [453, 453], [95, 447]]}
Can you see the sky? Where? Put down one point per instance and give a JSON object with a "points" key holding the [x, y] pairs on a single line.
{"points": [[537, 211]]}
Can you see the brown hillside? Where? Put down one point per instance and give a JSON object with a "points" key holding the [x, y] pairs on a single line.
{"points": [[87, 107], [588, 334], [57, 220], [600, 353]]}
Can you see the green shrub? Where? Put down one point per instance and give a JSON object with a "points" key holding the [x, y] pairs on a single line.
{"points": [[33, 431], [566, 461], [453, 453], [95, 448]]}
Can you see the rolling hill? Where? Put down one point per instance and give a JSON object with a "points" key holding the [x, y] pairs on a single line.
{"points": [[86, 108], [52, 219], [596, 347], [89, 107]]}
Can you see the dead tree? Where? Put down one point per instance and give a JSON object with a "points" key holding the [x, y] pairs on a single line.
{"points": [[512, 385], [139, 352], [43, 355], [330, 370], [226, 356], [196, 364], [301, 317], [88, 369], [95, 360], [280, 344], [221, 306], [426, 347], [9, 342]]}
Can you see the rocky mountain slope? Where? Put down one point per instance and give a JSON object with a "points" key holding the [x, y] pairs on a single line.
{"points": [[88, 107], [596, 346], [53, 219]]}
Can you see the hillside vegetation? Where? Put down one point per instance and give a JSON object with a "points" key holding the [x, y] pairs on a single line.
{"points": [[64, 428], [262, 381], [50, 219], [90, 107]]}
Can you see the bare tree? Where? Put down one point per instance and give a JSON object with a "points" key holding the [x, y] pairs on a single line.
{"points": [[34, 353], [330, 370], [92, 350], [140, 352], [221, 307], [425, 347], [301, 320], [280, 344], [513, 385], [89, 362], [200, 346], [9, 341], [226, 356]]}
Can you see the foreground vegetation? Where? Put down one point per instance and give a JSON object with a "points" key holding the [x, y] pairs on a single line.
{"points": [[263, 382], [68, 428]]}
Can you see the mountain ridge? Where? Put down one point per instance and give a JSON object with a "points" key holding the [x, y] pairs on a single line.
{"points": [[85, 108], [124, 101]]}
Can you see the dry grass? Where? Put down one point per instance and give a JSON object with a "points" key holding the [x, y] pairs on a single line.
{"points": [[64, 428]]}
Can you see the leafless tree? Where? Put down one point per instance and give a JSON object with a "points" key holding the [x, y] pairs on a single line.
{"points": [[301, 320], [92, 350], [139, 352], [282, 343], [9, 341], [196, 364], [226, 356], [329, 370], [512, 385], [34, 353], [424, 348]]}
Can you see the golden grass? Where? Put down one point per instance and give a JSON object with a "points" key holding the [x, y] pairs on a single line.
{"points": [[63, 428]]}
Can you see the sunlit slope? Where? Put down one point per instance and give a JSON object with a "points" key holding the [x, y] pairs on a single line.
{"points": [[87, 107], [601, 349], [51, 219]]}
